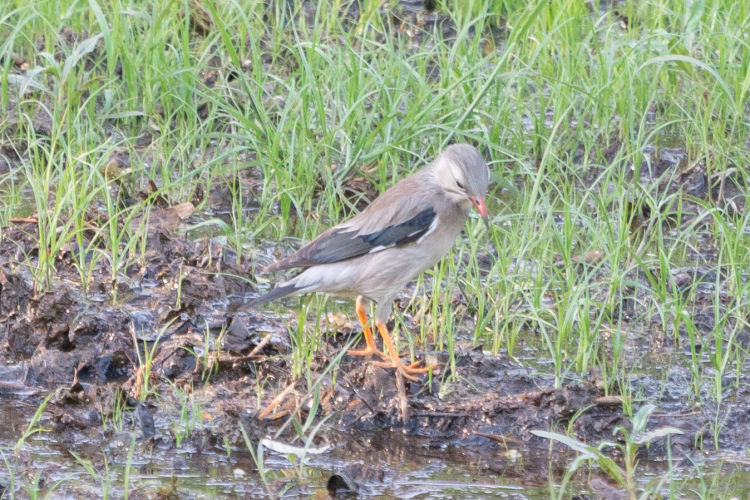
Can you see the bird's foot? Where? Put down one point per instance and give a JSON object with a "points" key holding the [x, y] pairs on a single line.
{"points": [[367, 351], [410, 371]]}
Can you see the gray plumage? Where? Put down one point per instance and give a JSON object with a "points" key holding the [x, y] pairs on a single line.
{"points": [[406, 230]]}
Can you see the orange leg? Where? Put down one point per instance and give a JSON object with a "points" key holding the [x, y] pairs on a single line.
{"points": [[409, 371], [367, 332]]}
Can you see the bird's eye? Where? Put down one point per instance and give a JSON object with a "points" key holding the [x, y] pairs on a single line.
{"points": [[460, 184]]}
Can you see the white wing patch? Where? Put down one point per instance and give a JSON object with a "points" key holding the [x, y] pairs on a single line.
{"points": [[432, 228], [381, 247]]}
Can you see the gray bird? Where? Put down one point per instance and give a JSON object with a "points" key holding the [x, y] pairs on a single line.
{"points": [[376, 253]]}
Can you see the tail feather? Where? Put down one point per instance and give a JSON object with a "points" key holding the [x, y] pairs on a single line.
{"points": [[276, 293]]}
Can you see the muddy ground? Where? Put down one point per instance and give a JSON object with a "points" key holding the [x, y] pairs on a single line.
{"points": [[182, 303]]}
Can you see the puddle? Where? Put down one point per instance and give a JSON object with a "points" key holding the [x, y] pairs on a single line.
{"points": [[386, 464]]}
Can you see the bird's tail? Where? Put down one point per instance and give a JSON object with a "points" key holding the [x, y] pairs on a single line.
{"points": [[276, 293]]}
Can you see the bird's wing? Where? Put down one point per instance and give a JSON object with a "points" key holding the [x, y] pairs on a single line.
{"points": [[396, 218], [345, 243]]}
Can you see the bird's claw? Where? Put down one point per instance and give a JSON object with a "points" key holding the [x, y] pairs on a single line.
{"points": [[407, 371], [367, 351]]}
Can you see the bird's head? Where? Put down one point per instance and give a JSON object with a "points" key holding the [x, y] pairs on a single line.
{"points": [[462, 173]]}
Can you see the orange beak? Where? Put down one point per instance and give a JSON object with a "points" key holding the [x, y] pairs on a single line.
{"points": [[481, 207]]}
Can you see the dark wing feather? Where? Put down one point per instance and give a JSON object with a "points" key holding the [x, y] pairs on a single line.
{"points": [[400, 234], [342, 243]]}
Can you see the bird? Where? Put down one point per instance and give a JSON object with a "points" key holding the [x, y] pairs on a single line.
{"points": [[373, 255]]}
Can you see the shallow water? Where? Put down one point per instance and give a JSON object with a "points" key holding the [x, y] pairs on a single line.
{"points": [[380, 462]]}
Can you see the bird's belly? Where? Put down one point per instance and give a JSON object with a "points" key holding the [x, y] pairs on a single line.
{"points": [[388, 271]]}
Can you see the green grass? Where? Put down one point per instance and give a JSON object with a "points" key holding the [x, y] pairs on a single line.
{"points": [[571, 103], [625, 477]]}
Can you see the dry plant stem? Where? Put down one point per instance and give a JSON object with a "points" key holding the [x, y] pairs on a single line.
{"points": [[263, 343], [403, 403], [276, 402], [367, 332]]}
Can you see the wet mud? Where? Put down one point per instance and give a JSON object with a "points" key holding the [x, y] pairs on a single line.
{"points": [[178, 321]]}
